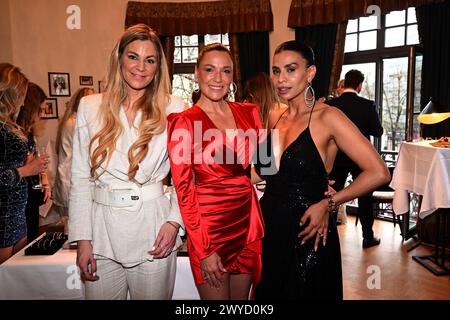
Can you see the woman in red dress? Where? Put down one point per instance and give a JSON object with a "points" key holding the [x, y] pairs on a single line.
{"points": [[210, 146]]}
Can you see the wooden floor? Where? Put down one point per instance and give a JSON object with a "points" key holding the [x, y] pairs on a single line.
{"points": [[401, 278]]}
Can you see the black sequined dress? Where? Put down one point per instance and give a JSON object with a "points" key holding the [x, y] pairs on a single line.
{"points": [[13, 189], [291, 271]]}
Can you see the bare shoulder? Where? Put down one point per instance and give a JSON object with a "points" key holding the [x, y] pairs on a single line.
{"points": [[329, 113], [275, 114]]}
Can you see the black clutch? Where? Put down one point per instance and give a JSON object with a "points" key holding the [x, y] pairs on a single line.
{"points": [[47, 245]]}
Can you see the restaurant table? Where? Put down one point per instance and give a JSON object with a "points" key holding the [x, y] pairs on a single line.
{"points": [[425, 170], [56, 277]]}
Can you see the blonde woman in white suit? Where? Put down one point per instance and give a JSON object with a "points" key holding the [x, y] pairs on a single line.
{"points": [[127, 230]]}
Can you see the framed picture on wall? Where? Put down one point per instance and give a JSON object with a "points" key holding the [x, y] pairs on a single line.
{"points": [[86, 81], [101, 86], [58, 84], [50, 109]]}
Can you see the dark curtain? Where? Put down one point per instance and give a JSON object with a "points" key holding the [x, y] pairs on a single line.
{"points": [[168, 43], [254, 55], [338, 56], [322, 39], [206, 17], [313, 12], [434, 31]]}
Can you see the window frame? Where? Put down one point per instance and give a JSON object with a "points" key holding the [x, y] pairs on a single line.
{"points": [[377, 56]]}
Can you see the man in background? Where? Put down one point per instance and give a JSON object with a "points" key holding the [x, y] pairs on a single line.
{"points": [[363, 113]]}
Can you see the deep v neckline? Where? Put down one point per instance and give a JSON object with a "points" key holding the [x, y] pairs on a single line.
{"points": [[289, 145], [294, 141], [212, 122]]}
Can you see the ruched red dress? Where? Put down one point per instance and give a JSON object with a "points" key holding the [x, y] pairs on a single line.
{"points": [[217, 201]]}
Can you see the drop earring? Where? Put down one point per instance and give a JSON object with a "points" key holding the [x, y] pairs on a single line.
{"points": [[309, 102]]}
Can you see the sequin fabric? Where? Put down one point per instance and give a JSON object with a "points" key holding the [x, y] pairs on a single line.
{"points": [[291, 270], [13, 190]]}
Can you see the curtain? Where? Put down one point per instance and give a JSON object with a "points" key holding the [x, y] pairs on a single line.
{"points": [[250, 20], [211, 17], [434, 31], [338, 56], [234, 49], [168, 43], [322, 39], [254, 56], [313, 12]]}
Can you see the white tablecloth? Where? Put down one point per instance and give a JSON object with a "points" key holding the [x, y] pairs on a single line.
{"points": [[424, 170], [56, 277]]}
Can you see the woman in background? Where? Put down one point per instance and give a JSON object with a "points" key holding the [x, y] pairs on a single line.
{"points": [[259, 90], [15, 164], [64, 140], [29, 119]]}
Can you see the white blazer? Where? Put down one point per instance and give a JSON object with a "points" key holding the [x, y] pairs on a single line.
{"points": [[121, 234], [63, 173]]}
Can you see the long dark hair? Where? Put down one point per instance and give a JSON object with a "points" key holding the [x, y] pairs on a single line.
{"points": [[259, 89], [30, 112]]}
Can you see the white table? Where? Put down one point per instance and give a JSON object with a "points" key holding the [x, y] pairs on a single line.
{"points": [[424, 170], [56, 277]]}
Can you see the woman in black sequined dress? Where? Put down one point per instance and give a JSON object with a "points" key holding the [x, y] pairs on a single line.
{"points": [[301, 254], [14, 162], [29, 120]]}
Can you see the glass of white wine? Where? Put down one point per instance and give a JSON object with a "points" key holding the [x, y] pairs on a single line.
{"points": [[43, 183]]}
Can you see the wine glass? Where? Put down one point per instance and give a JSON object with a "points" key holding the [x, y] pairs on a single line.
{"points": [[40, 152]]}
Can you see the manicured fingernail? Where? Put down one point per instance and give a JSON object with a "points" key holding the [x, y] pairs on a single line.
{"points": [[303, 242]]}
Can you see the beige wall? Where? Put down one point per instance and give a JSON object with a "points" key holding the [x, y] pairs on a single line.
{"points": [[5, 32], [34, 37]]}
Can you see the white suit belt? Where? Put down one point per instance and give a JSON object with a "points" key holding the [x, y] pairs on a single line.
{"points": [[127, 197]]}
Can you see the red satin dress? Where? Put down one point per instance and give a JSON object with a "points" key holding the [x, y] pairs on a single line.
{"points": [[218, 203]]}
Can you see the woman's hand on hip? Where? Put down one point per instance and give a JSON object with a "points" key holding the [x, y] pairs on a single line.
{"points": [[318, 217]]}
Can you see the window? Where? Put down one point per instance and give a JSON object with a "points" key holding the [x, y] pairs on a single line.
{"points": [[397, 28], [185, 57], [361, 34], [401, 25], [381, 53]]}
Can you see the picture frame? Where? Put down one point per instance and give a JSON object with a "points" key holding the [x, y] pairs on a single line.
{"points": [[101, 86], [58, 84], [50, 109], [86, 81]]}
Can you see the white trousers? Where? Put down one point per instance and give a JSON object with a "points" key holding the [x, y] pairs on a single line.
{"points": [[151, 280]]}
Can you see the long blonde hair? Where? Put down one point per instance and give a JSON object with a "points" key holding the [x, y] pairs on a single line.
{"points": [[13, 88], [153, 104], [260, 90], [71, 109]]}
